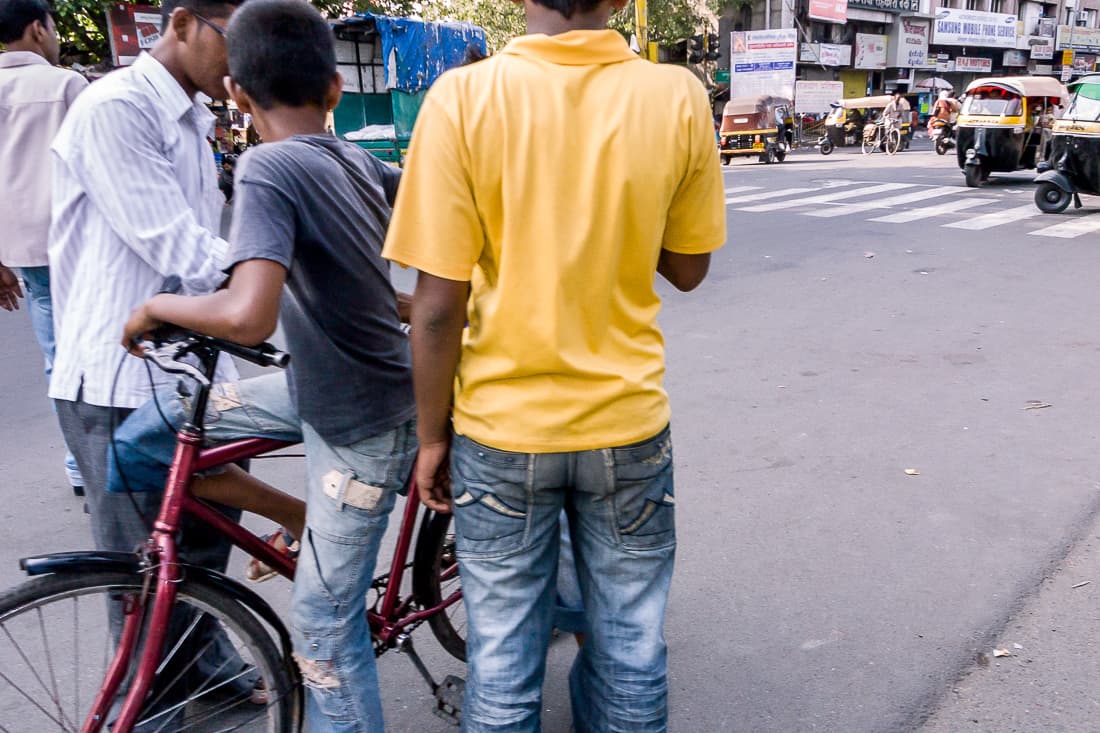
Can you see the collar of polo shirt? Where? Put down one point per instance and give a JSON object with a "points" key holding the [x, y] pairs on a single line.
{"points": [[578, 48]]}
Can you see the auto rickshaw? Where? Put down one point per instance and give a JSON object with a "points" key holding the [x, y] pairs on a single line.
{"points": [[847, 118], [1072, 166], [1000, 125], [762, 126]]}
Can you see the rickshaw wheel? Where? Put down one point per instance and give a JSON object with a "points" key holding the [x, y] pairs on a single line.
{"points": [[727, 159], [974, 176], [826, 147], [1051, 199], [780, 156]]}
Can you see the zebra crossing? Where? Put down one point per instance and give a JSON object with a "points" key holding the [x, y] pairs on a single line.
{"points": [[952, 207]]}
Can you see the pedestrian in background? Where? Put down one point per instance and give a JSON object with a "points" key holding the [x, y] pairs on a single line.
{"points": [[559, 399], [35, 96]]}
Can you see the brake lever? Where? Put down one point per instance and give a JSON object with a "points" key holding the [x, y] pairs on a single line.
{"points": [[170, 365]]}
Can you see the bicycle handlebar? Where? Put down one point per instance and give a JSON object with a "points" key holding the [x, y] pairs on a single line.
{"points": [[172, 343]]}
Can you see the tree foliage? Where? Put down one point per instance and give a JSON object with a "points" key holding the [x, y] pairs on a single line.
{"points": [[82, 24]]}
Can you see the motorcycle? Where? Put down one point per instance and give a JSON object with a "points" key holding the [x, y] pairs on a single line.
{"points": [[943, 133]]}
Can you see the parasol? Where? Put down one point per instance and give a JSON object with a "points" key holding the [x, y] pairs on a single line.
{"points": [[935, 83]]}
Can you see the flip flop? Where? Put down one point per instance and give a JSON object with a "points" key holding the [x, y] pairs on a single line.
{"points": [[258, 571]]}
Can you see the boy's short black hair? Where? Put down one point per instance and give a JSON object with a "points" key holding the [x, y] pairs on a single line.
{"points": [[568, 7], [205, 8], [16, 15], [281, 52]]}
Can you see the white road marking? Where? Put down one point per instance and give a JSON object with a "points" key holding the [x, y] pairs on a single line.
{"points": [[849, 194], [1069, 229], [737, 189], [996, 218], [925, 212], [886, 203], [769, 195]]}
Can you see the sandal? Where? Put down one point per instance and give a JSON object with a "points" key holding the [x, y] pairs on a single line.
{"points": [[258, 571]]}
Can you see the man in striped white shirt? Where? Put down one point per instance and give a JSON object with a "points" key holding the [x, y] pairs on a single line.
{"points": [[135, 200]]}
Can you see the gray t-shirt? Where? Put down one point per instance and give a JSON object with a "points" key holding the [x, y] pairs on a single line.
{"points": [[320, 208]]}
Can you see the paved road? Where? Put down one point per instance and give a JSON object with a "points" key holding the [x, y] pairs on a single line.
{"points": [[820, 587]]}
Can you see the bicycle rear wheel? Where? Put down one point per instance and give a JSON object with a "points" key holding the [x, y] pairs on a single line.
{"points": [[435, 578], [56, 645]]}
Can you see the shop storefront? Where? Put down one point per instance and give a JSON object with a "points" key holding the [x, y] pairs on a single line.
{"points": [[968, 44]]}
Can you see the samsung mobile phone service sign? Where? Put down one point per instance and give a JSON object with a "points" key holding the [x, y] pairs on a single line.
{"points": [[762, 62], [956, 27]]}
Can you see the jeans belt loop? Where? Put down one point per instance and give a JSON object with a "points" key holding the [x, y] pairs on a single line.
{"points": [[342, 489]]}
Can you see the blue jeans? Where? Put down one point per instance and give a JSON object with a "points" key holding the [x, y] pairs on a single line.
{"points": [[350, 493], [37, 283], [620, 506]]}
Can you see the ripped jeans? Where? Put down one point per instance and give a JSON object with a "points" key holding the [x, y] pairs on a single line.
{"points": [[351, 491], [620, 507]]}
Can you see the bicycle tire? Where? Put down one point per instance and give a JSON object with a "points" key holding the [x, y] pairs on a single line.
{"points": [[37, 607], [433, 560], [871, 144], [893, 141]]}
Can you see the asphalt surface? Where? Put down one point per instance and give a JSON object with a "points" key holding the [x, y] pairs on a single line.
{"points": [[819, 586]]}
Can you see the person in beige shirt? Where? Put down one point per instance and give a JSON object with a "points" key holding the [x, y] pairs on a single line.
{"points": [[34, 97]]}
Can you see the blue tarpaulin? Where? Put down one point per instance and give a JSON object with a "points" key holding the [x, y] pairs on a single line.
{"points": [[415, 52]]}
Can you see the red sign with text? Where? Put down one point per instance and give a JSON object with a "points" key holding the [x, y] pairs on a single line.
{"points": [[830, 11], [133, 29]]}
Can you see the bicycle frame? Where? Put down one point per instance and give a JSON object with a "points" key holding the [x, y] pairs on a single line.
{"points": [[387, 625]]}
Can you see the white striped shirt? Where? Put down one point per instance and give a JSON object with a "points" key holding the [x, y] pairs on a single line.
{"points": [[135, 200]]}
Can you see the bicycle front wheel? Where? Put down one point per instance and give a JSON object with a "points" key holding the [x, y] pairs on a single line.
{"points": [[893, 142], [56, 645], [870, 143]]}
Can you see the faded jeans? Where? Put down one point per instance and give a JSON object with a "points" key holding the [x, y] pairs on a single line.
{"points": [[40, 305], [620, 506], [350, 493]]}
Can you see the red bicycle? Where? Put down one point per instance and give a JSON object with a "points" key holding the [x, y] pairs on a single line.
{"points": [[110, 641]]}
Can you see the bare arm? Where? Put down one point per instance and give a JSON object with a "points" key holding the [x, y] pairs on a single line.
{"points": [[10, 292], [685, 272], [246, 312], [438, 317]]}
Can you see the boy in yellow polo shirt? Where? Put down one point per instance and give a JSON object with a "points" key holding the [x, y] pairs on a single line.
{"points": [[545, 189]]}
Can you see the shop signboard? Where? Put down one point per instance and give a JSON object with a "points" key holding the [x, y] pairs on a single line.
{"points": [[814, 97], [1084, 63], [973, 64], [1014, 57], [1067, 73], [762, 62], [829, 11], [908, 46], [1079, 39], [826, 54], [889, 6], [1042, 48], [132, 29], [944, 64], [955, 27], [870, 51], [1041, 69]]}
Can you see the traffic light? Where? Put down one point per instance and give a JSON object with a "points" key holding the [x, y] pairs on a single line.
{"points": [[695, 50], [712, 47]]}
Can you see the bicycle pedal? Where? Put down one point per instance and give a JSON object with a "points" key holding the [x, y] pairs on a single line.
{"points": [[448, 699]]}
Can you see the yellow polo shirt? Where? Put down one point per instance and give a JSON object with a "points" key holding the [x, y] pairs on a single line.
{"points": [[550, 176]]}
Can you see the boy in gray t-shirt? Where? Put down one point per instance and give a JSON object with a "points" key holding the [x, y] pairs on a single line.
{"points": [[305, 249]]}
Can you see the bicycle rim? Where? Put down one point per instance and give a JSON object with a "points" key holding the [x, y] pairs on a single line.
{"points": [[435, 578], [56, 645]]}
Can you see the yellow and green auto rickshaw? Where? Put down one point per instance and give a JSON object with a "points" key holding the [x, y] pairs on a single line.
{"points": [[1000, 125], [762, 126], [847, 118], [1072, 166]]}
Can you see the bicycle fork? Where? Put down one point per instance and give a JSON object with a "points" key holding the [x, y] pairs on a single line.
{"points": [[162, 559]]}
